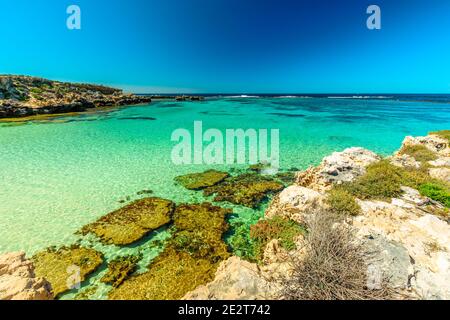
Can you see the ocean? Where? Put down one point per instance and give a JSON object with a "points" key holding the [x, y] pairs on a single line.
{"points": [[62, 173]]}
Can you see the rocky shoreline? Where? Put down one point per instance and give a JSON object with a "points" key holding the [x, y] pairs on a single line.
{"points": [[389, 225], [24, 96], [409, 233]]}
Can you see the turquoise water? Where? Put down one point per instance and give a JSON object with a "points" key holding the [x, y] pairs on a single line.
{"points": [[59, 175]]}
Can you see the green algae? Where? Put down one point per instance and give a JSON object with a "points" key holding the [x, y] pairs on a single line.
{"points": [[189, 260], [120, 269], [247, 189], [86, 294], [286, 177], [145, 191], [58, 266], [132, 222], [198, 181]]}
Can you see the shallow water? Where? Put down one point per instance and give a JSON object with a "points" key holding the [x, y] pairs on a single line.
{"points": [[60, 174]]}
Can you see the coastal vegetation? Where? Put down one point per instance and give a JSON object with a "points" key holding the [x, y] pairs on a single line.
{"points": [[418, 152], [445, 134], [383, 180], [333, 267], [342, 202], [437, 191], [282, 229]]}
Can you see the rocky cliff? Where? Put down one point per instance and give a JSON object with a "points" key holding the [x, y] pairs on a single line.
{"points": [[24, 96]]}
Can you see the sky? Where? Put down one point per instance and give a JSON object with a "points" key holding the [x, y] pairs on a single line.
{"points": [[232, 46]]}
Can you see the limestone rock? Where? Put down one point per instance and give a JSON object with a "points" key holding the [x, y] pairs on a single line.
{"points": [[235, 279], [405, 161], [440, 162], [294, 202], [18, 281], [434, 143], [425, 237], [275, 253], [337, 168], [389, 259], [440, 173]]}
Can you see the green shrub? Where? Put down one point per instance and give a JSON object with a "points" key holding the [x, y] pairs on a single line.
{"points": [[382, 180], [342, 202], [275, 228], [443, 134], [419, 152], [437, 192]]}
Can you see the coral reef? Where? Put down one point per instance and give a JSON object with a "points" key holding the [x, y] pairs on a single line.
{"points": [[132, 222]]}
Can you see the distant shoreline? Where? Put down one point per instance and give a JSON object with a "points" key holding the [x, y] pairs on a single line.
{"points": [[24, 96]]}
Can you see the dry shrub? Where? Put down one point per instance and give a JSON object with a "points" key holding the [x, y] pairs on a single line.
{"points": [[334, 265]]}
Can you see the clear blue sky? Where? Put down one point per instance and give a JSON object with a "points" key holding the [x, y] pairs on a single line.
{"points": [[238, 46]]}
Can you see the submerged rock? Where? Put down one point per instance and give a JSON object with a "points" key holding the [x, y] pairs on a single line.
{"points": [[67, 266], [337, 168], [132, 222], [197, 181], [246, 189], [190, 258], [18, 280], [286, 177], [120, 269]]}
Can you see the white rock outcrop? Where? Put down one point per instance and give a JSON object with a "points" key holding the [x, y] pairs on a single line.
{"points": [[337, 168], [17, 279], [433, 143], [235, 279], [294, 202]]}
